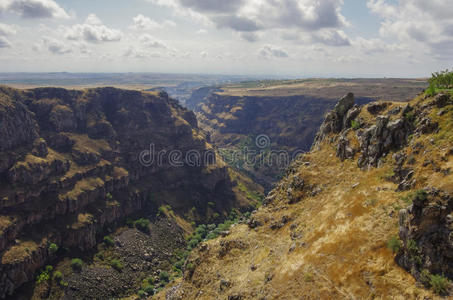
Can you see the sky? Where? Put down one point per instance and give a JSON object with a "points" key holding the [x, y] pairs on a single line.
{"points": [[294, 38]]}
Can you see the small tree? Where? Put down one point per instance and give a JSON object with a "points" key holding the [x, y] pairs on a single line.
{"points": [[76, 264], [53, 248]]}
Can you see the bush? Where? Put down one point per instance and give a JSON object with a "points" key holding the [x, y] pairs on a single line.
{"points": [[109, 196], [44, 275], [142, 224], [108, 241], [163, 276], [116, 264], [129, 223], [355, 125], [53, 248], [142, 294], [439, 284], [394, 244], [149, 289], [76, 264], [57, 276], [308, 277], [150, 280]]}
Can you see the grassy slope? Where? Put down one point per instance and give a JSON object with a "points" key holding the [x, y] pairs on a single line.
{"points": [[342, 252]]}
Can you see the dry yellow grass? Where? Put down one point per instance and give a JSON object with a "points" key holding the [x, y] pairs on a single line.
{"points": [[342, 250]]}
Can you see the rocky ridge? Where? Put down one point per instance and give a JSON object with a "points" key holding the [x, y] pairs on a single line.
{"points": [[365, 214], [70, 170]]}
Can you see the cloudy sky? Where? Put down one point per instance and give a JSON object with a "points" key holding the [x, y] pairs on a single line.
{"points": [[407, 38]]}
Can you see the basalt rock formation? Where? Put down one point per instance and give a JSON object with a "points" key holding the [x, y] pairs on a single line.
{"points": [[365, 214], [75, 163]]}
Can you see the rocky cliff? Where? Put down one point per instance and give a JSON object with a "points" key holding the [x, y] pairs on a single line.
{"points": [[75, 164], [365, 214]]}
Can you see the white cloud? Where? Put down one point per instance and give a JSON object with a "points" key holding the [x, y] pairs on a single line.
{"points": [[204, 54], [140, 22], [93, 31], [269, 51], [4, 42], [55, 46], [38, 9], [417, 22], [151, 42], [133, 52], [6, 29], [331, 38]]}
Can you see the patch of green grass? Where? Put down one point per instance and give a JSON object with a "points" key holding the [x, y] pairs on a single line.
{"points": [[394, 244], [108, 241], [355, 125], [308, 277], [439, 284], [116, 264]]}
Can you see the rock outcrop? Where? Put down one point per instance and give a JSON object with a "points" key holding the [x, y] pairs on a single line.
{"points": [[426, 229], [73, 163]]}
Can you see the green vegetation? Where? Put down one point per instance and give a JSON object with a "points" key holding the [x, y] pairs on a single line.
{"points": [[53, 248], [57, 276], [116, 264], [355, 125], [163, 276], [308, 277], [394, 244], [44, 275], [76, 264], [142, 224], [108, 241], [439, 284], [419, 195], [440, 82], [109, 196]]}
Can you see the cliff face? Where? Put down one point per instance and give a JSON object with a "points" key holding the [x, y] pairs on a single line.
{"points": [[72, 163], [365, 214]]}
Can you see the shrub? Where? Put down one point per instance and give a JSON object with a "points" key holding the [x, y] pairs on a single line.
{"points": [[439, 284], [150, 280], [212, 235], [149, 289], [412, 246], [45, 274], [163, 276], [116, 264], [57, 276], [129, 223], [193, 243], [355, 125], [142, 294], [215, 215], [53, 248], [109, 196], [308, 277], [212, 204], [160, 211], [108, 241], [394, 244], [142, 224], [76, 264]]}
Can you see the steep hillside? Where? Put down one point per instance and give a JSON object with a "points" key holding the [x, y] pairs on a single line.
{"points": [[287, 113], [366, 214], [75, 164]]}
